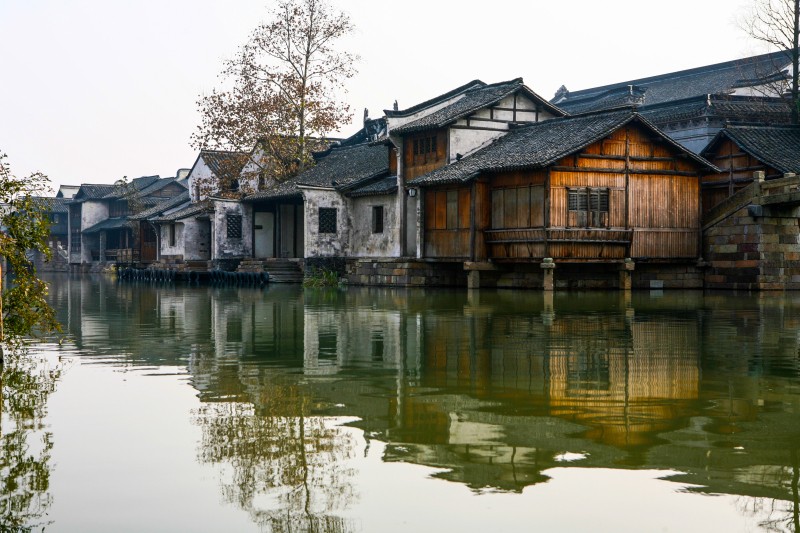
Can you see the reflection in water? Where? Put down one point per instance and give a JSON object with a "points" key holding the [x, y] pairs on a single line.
{"points": [[25, 385], [494, 389], [278, 453]]}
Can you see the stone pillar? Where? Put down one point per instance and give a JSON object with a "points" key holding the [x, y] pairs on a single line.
{"points": [[474, 279], [548, 312], [625, 282], [548, 266]]}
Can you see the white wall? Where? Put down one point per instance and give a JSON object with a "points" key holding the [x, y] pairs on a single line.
{"points": [[365, 243], [222, 247], [325, 244]]}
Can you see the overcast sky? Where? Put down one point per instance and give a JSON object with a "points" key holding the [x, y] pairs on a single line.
{"points": [[94, 90]]}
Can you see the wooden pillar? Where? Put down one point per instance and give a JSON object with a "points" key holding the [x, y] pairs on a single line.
{"points": [[548, 266], [625, 277]]}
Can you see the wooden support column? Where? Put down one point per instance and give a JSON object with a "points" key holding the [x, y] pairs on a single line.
{"points": [[548, 266], [625, 275]]}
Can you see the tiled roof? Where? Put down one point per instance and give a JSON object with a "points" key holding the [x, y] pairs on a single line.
{"points": [[472, 100], [186, 212], [729, 108], [541, 144], [89, 191], [160, 207], [387, 185], [224, 164], [51, 204], [342, 166], [719, 78], [435, 100], [143, 187], [107, 224], [776, 146]]}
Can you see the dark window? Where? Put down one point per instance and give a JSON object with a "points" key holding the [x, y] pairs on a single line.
{"points": [[377, 219], [172, 234], [234, 226], [234, 185], [590, 206], [327, 220]]}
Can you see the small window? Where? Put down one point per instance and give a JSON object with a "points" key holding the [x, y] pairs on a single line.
{"points": [[234, 226], [171, 230], [377, 219], [234, 185], [588, 206], [327, 220]]}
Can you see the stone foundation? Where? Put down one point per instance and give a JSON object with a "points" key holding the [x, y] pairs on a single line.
{"points": [[405, 273], [753, 249]]}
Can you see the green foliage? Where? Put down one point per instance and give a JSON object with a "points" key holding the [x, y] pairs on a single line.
{"points": [[25, 229], [322, 277]]}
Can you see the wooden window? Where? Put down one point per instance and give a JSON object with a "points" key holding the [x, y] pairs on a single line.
{"points": [[377, 219], [118, 208], [327, 220], [588, 207], [233, 225]]}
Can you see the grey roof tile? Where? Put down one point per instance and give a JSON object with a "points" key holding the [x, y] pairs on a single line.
{"points": [[186, 212], [776, 146], [160, 207], [387, 185], [723, 107], [52, 204], [340, 167], [719, 78], [471, 101], [541, 144]]}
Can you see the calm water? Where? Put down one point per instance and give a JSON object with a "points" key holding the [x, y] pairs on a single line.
{"points": [[371, 410]]}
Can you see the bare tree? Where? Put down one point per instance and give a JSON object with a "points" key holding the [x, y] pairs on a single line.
{"points": [[777, 23], [285, 85]]}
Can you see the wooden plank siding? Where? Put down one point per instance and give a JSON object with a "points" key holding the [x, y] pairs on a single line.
{"points": [[417, 164], [737, 170], [629, 195]]}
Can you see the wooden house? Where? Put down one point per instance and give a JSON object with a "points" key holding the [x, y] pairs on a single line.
{"points": [[450, 127], [739, 151], [595, 188]]}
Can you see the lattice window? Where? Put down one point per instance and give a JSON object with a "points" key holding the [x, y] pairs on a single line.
{"points": [[588, 200], [234, 226], [377, 219], [327, 220]]}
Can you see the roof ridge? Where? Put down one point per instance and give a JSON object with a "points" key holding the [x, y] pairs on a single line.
{"points": [[431, 101], [680, 73]]}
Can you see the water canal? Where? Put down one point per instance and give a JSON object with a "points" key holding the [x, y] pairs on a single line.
{"points": [[369, 410]]}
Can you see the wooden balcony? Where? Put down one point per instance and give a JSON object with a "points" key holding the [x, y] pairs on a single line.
{"points": [[580, 244]]}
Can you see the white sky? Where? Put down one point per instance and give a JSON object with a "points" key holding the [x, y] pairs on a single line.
{"points": [[93, 90]]}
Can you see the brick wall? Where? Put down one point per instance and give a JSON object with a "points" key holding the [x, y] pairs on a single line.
{"points": [[405, 273], [753, 253]]}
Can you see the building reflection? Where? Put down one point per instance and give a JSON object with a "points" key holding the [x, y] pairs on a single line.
{"points": [[494, 388]]}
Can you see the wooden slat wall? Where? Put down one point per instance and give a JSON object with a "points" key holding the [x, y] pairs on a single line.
{"points": [[447, 222], [417, 166], [664, 244], [664, 201]]}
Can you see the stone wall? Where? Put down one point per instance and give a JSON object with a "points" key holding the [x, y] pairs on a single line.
{"points": [[753, 249], [405, 273]]}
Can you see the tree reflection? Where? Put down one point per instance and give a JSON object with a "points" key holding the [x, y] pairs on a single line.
{"points": [[281, 464], [26, 384]]}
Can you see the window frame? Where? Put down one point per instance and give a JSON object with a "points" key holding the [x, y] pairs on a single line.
{"points": [[327, 220]]}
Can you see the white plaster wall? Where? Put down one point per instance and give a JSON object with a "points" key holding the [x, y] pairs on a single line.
{"points": [[201, 174], [467, 141], [166, 249], [325, 244], [221, 246], [364, 243], [196, 240], [91, 214]]}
